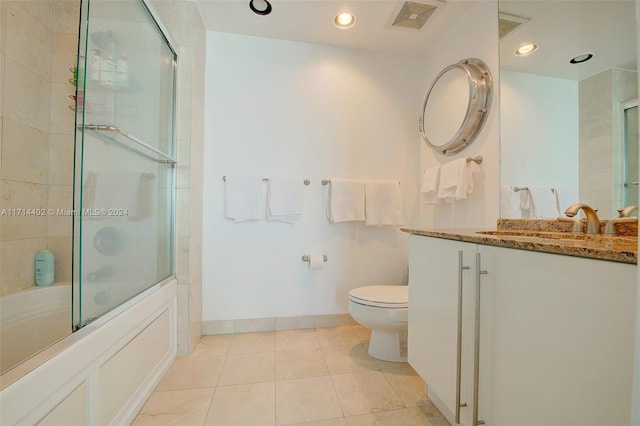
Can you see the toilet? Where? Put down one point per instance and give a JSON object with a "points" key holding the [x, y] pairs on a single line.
{"points": [[384, 309]]}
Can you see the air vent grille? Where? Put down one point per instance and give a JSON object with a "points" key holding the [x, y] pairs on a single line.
{"points": [[508, 23], [413, 15]]}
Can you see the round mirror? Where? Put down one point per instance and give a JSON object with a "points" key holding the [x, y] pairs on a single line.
{"points": [[456, 106]]}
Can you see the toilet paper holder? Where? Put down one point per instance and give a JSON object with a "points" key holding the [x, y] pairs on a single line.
{"points": [[306, 258]]}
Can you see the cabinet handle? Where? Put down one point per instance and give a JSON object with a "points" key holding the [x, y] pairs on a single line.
{"points": [[461, 269], [476, 346]]}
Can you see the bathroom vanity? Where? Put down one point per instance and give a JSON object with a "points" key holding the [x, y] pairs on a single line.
{"points": [[523, 328]]}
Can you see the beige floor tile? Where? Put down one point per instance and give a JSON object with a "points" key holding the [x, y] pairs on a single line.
{"points": [[176, 408], [413, 416], [408, 385], [300, 364], [338, 336], [247, 343], [248, 368], [246, 405], [363, 333], [213, 345], [367, 392], [305, 400], [349, 358], [330, 422], [192, 372], [289, 340]]}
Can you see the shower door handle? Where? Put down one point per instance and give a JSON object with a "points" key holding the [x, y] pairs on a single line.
{"points": [[461, 269]]}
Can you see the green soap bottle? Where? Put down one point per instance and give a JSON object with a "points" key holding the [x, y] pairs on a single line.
{"points": [[44, 268]]}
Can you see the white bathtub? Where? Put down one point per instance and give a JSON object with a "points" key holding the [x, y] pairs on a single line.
{"points": [[31, 320]]}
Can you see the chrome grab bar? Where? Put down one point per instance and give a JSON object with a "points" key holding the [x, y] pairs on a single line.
{"points": [[476, 346], [461, 269], [103, 129]]}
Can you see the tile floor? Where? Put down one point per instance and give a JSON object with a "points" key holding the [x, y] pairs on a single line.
{"points": [[321, 376]]}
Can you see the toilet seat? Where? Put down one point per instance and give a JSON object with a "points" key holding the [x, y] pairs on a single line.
{"points": [[381, 296]]}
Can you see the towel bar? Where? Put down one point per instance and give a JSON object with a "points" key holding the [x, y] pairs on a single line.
{"points": [[328, 181], [477, 160], [306, 258], [520, 188], [306, 181]]}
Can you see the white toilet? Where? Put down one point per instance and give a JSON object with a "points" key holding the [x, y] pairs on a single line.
{"points": [[384, 309]]}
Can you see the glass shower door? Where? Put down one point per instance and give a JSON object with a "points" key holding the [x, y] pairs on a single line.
{"points": [[125, 149], [631, 155]]}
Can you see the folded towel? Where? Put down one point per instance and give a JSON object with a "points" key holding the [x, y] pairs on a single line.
{"points": [[527, 208], [566, 197], [429, 187], [507, 202], [544, 201], [243, 196], [456, 180], [121, 191], [284, 199], [346, 200], [383, 203]]}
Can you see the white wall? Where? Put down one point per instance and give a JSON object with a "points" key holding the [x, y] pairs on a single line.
{"points": [[474, 35], [281, 108], [539, 130]]}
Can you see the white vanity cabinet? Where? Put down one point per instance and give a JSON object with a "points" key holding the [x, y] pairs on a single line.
{"points": [[555, 334]]}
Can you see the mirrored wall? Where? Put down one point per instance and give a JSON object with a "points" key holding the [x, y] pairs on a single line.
{"points": [[562, 105]]}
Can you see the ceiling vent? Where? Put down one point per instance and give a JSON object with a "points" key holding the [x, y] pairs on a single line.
{"points": [[413, 15], [508, 23]]}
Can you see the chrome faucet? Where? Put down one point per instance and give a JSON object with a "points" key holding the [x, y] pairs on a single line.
{"points": [[593, 223], [626, 212]]}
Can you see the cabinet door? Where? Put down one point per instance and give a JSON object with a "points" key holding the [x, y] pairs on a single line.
{"points": [[434, 320], [562, 331]]}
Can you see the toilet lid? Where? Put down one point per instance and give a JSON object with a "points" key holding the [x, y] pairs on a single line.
{"points": [[385, 296]]}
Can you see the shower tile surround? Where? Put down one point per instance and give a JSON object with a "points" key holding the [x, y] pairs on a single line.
{"points": [[315, 376], [38, 43]]}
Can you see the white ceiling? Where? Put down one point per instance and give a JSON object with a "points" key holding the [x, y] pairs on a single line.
{"points": [[563, 28]]}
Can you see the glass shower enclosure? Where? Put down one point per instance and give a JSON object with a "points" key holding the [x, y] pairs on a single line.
{"points": [[124, 171]]}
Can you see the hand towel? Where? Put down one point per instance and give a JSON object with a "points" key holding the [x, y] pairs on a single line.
{"points": [[456, 180], [429, 188], [114, 191], [346, 200], [383, 203], [507, 202], [243, 195], [527, 207], [543, 199], [284, 199], [566, 197]]}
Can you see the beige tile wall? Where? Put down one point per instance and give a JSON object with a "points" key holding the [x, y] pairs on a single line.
{"points": [[38, 43], [186, 28]]}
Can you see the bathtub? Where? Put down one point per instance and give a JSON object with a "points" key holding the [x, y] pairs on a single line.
{"points": [[31, 320]]}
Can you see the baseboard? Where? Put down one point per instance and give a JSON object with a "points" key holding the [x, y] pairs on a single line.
{"points": [[272, 324]]}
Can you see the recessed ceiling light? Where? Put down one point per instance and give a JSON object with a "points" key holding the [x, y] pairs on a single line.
{"points": [[344, 20], [527, 49], [583, 57]]}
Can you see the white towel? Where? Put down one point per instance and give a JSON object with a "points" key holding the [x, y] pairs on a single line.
{"points": [[507, 202], [527, 208], [109, 191], [429, 188], [243, 195], [285, 197], [346, 200], [383, 203], [544, 201], [456, 180], [566, 197]]}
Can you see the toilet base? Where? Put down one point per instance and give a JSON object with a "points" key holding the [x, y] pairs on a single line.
{"points": [[388, 346]]}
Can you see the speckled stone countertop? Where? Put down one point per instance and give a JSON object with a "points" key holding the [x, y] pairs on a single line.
{"points": [[549, 237]]}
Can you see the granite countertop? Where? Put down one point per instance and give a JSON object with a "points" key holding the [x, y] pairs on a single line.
{"points": [[623, 248]]}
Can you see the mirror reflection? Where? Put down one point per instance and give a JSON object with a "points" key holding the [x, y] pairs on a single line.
{"points": [[451, 89], [568, 109]]}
